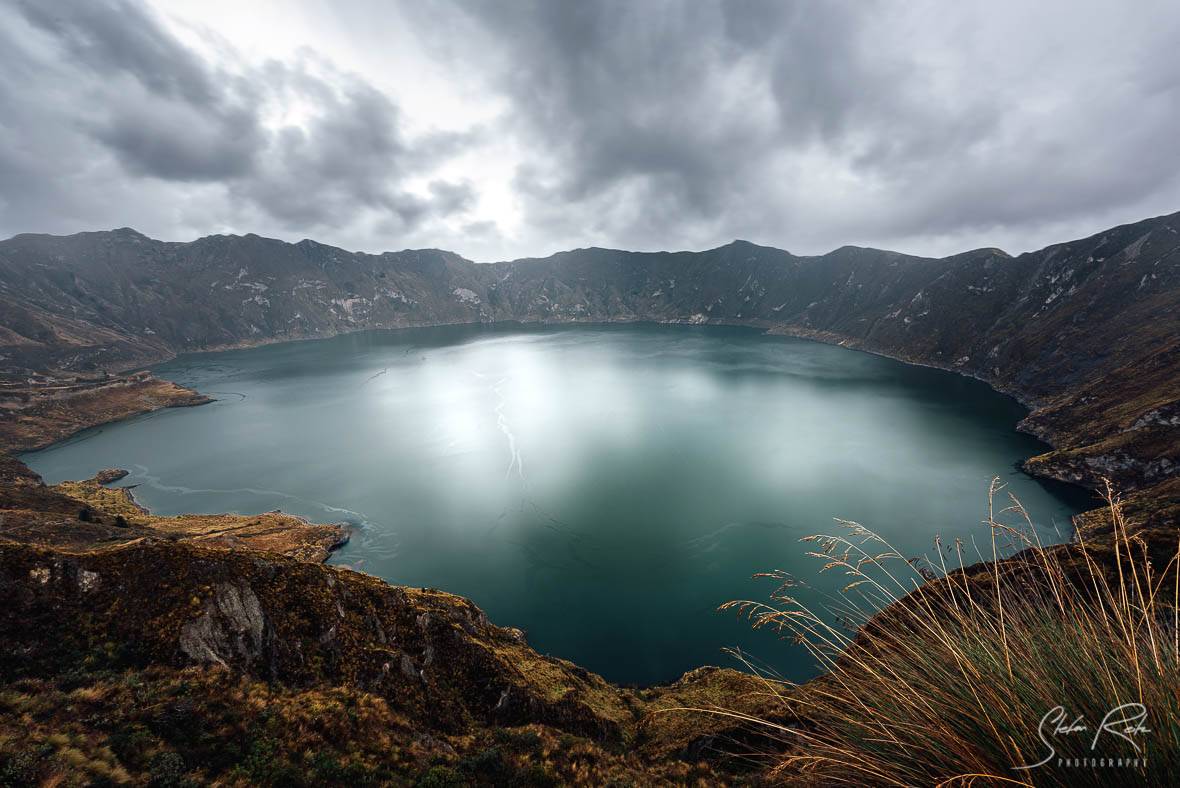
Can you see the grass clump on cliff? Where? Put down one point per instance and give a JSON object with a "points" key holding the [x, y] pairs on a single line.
{"points": [[1062, 660]]}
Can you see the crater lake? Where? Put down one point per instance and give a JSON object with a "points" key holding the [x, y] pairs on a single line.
{"points": [[603, 488]]}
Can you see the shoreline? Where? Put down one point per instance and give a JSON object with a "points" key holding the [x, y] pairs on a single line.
{"points": [[1030, 402]]}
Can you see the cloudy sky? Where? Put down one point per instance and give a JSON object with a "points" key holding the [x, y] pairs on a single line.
{"points": [[508, 129]]}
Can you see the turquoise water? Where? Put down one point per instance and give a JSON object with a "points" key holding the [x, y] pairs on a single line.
{"points": [[602, 488]]}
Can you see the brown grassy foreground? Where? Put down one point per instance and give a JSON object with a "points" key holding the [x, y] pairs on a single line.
{"points": [[1052, 659]]}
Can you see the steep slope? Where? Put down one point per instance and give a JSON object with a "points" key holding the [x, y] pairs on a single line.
{"points": [[118, 299]]}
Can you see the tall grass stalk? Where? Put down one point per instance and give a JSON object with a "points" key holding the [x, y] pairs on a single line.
{"points": [[937, 672]]}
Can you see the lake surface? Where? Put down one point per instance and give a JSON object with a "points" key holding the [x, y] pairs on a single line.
{"points": [[602, 488]]}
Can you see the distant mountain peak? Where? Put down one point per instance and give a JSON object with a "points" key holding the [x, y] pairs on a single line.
{"points": [[742, 245]]}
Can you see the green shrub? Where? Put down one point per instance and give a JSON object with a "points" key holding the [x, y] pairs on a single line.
{"points": [[441, 777], [327, 770], [168, 770], [265, 765], [20, 768]]}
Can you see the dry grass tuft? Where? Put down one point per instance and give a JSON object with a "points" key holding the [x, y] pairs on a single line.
{"points": [[969, 672]]}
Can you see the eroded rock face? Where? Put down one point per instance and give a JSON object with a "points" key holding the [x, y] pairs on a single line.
{"points": [[231, 630], [108, 475]]}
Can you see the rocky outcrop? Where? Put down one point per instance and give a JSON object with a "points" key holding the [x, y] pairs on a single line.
{"points": [[110, 475], [230, 630], [433, 654]]}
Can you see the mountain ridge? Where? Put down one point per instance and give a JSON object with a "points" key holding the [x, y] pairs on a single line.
{"points": [[735, 241], [1041, 325]]}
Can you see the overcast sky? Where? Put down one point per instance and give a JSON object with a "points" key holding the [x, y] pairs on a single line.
{"points": [[510, 129]]}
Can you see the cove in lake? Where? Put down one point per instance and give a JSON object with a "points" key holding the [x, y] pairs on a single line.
{"points": [[603, 488]]}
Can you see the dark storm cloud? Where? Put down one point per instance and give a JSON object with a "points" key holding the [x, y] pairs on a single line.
{"points": [[108, 76], [348, 155], [626, 94], [661, 117], [119, 36], [167, 114]]}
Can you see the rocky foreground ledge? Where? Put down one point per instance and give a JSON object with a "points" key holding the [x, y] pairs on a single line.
{"points": [[222, 649]]}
